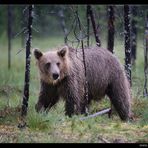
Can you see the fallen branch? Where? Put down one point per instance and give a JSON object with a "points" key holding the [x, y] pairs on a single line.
{"points": [[104, 111], [104, 140]]}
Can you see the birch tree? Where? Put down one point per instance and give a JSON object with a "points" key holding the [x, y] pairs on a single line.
{"points": [[127, 27], [145, 93], [27, 67]]}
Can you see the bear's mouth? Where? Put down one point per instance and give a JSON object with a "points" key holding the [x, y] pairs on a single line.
{"points": [[54, 81]]}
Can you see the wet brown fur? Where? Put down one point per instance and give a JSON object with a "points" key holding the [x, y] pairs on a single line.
{"points": [[105, 76]]}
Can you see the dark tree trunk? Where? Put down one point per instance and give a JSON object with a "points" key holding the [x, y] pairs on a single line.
{"points": [[63, 25], [133, 34], [28, 58], [127, 42], [111, 32], [85, 107], [90, 11], [88, 24], [9, 34], [145, 93], [111, 29]]}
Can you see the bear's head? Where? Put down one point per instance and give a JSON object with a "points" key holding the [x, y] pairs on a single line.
{"points": [[53, 65]]}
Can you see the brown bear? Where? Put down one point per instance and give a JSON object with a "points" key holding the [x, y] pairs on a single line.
{"points": [[62, 76]]}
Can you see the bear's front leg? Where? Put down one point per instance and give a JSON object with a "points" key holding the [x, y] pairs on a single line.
{"points": [[48, 97], [74, 95], [68, 95], [69, 104], [42, 103]]}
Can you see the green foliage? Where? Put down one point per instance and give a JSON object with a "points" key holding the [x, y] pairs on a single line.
{"points": [[47, 22]]}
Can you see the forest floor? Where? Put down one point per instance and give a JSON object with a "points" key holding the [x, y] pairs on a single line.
{"points": [[55, 127], [100, 129]]}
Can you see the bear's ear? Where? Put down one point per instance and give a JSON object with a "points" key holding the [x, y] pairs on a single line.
{"points": [[37, 53], [62, 52]]}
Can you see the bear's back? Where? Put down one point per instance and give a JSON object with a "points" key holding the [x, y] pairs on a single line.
{"points": [[102, 68]]}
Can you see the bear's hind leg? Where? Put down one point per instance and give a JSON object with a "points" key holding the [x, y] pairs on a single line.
{"points": [[119, 96]]}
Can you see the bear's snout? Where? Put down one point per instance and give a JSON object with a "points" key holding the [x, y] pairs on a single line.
{"points": [[55, 76]]}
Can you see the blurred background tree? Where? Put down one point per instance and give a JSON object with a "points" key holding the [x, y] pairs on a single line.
{"points": [[47, 22]]}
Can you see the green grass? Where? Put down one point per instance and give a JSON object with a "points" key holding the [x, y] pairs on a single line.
{"points": [[55, 127]]}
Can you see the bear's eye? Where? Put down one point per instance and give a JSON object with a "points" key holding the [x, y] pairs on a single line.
{"points": [[58, 63], [47, 65]]}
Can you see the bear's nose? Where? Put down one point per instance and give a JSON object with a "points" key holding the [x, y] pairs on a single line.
{"points": [[55, 76]]}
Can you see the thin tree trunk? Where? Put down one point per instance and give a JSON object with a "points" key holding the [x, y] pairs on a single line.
{"points": [[9, 35], [111, 32], [98, 42], [133, 34], [85, 107], [145, 93], [88, 24], [28, 58], [63, 25], [111, 29], [127, 42]]}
